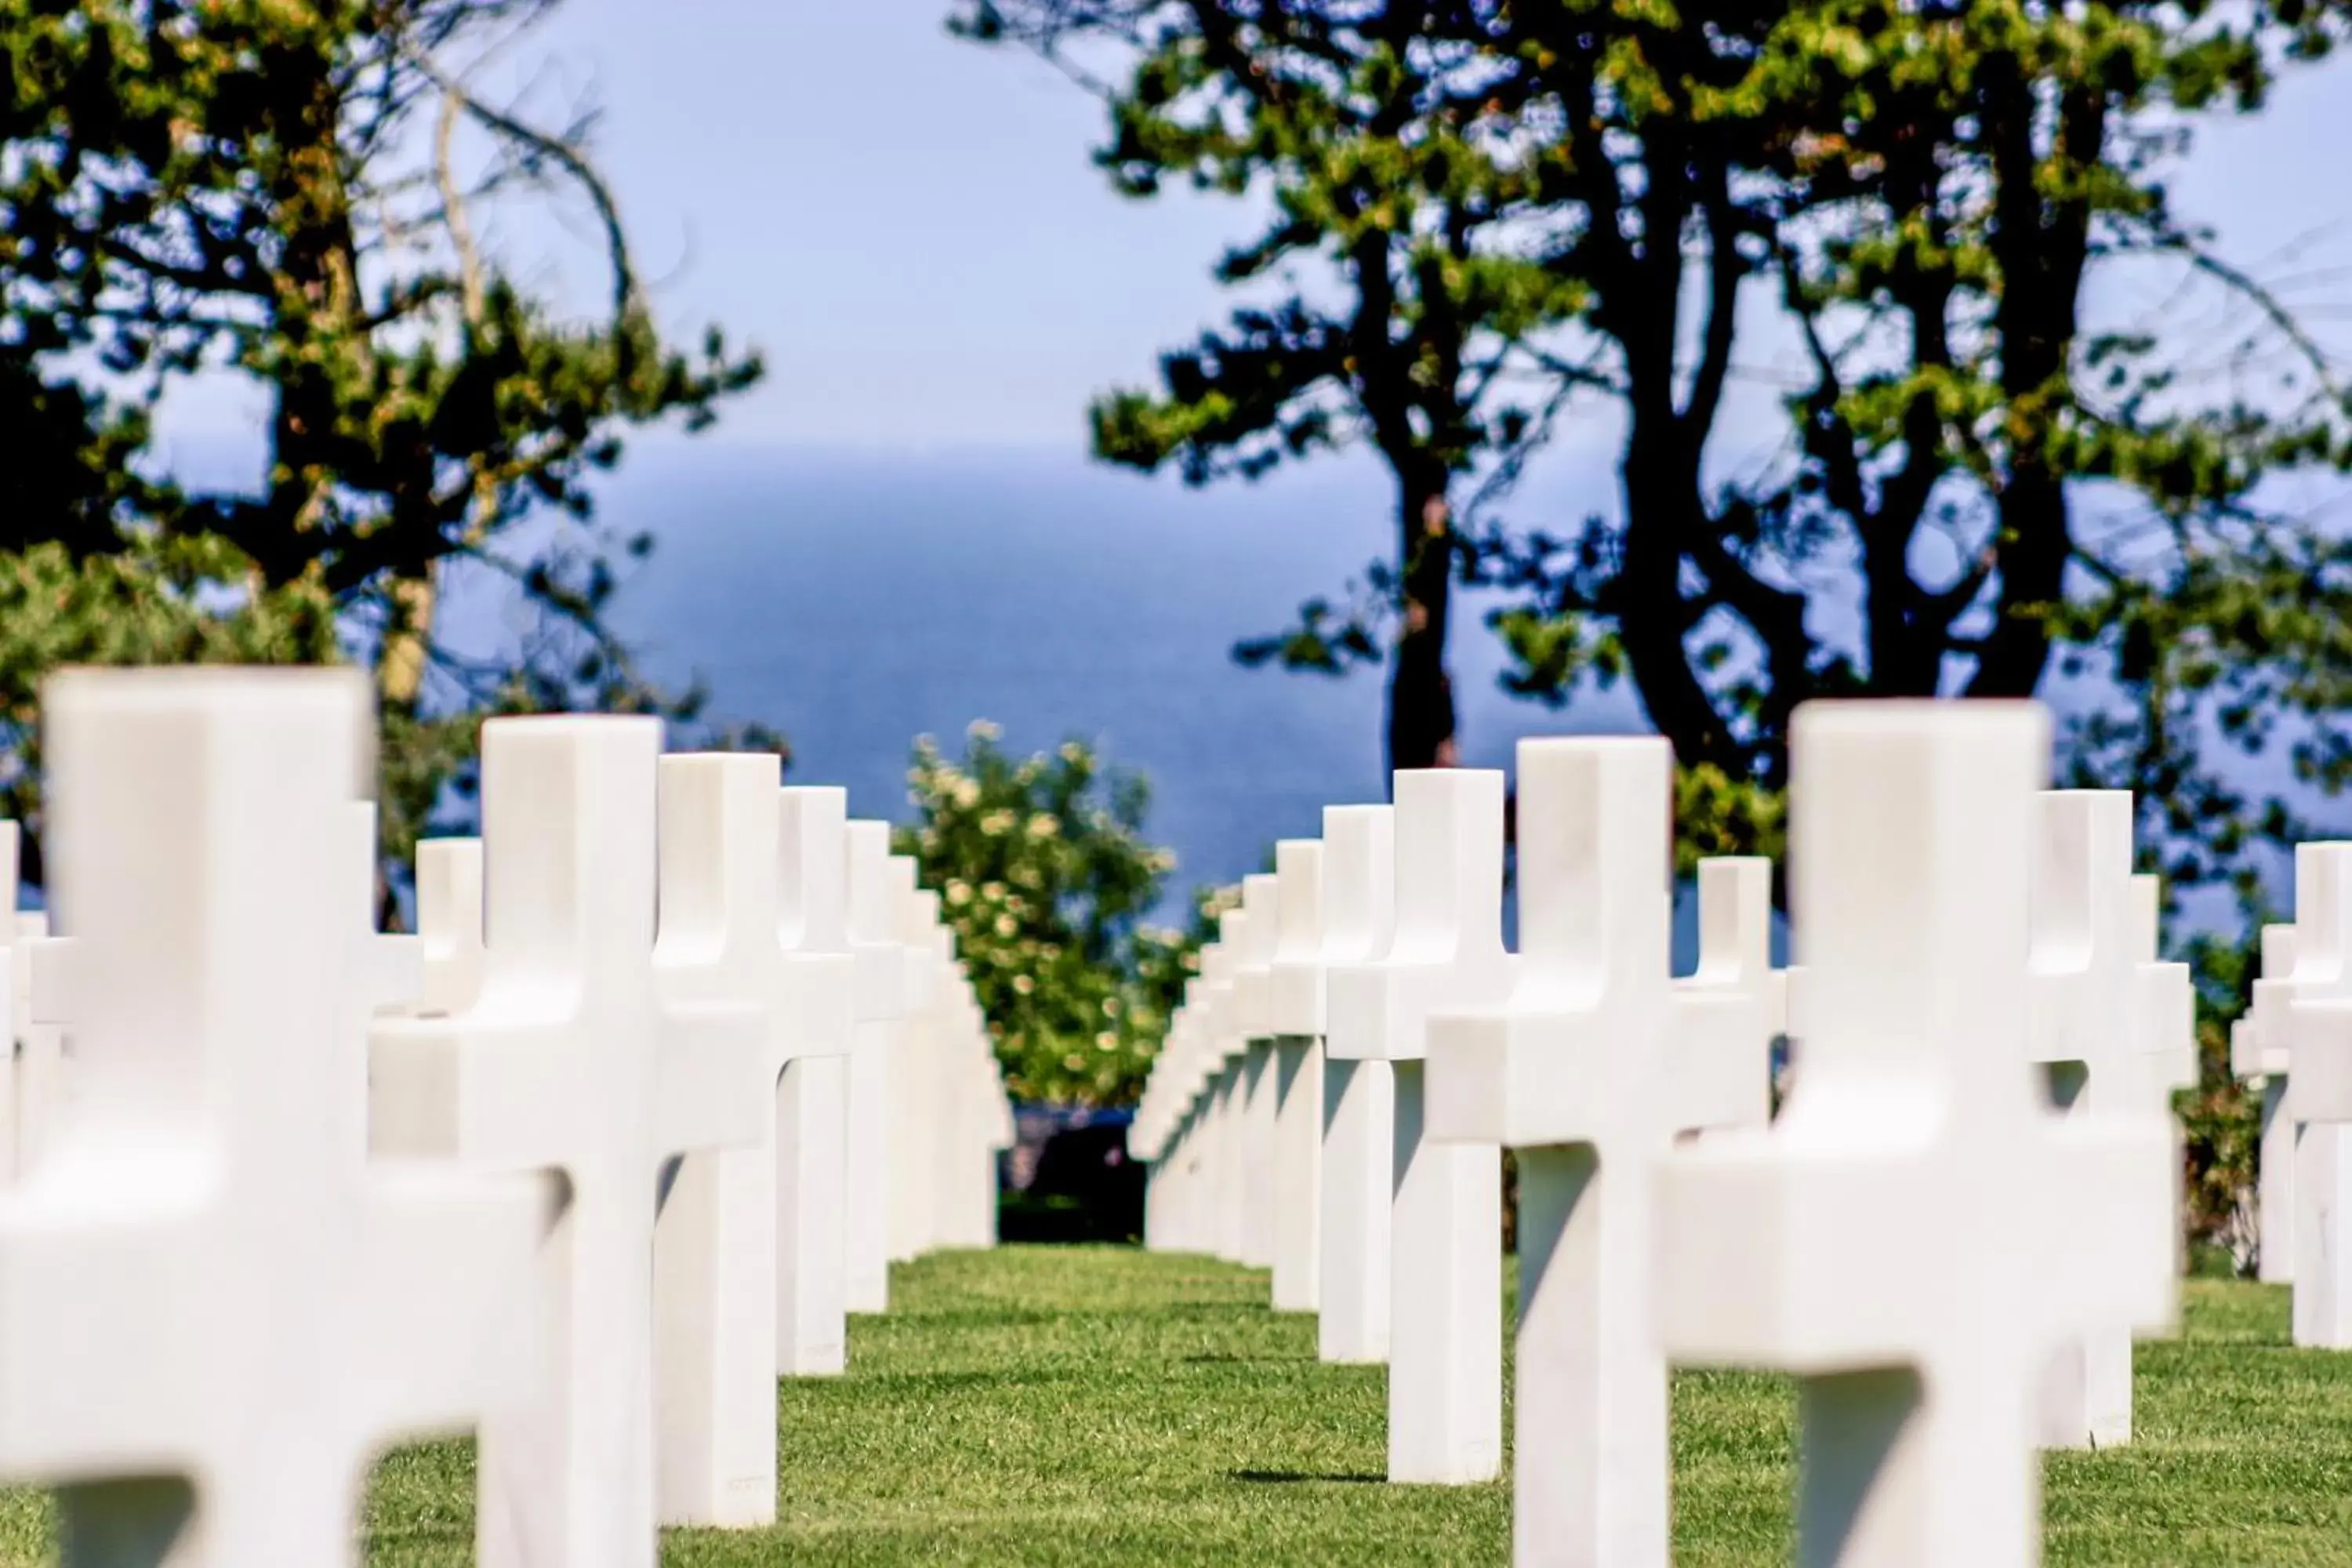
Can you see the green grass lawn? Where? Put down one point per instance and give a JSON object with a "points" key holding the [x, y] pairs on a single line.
{"points": [[1103, 1405]]}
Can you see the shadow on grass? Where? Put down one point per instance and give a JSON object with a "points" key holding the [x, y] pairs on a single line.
{"points": [[1293, 1477]]}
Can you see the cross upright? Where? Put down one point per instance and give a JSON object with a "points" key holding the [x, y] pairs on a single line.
{"points": [[1444, 954], [1590, 1067], [1221, 1114], [391, 963], [819, 1025], [715, 1240], [1356, 902], [2083, 1013], [1167, 1133], [215, 1311], [2257, 1055], [881, 1000], [915, 1069], [449, 923], [2164, 1011], [1735, 960], [571, 1060], [1866, 1241], [1254, 1038], [2312, 1010], [1296, 1198], [23, 933]]}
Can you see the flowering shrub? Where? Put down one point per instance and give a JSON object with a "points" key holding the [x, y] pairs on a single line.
{"points": [[1045, 875]]}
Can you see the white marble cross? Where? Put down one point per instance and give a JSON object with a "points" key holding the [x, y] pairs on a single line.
{"points": [[2165, 1012], [820, 1025], [915, 1068], [964, 1203], [22, 932], [571, 1060], [1356, 1104], [882, 986], [1735, 959], [2084, 1014], [42, 984], [391, 962], [714, 1265], [1445, 954], [448, 923], [2311, 1009], [1254, 1038], [1167, 1135], [2259, 1054], [1292, 1017], [1870, 1240], [1222, 1132], [215, 1311], [1590, 1067]]}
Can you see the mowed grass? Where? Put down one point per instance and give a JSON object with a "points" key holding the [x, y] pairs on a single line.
{"points": [[1104, 1405]]}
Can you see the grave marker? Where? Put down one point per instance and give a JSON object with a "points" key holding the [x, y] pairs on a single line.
{"points": [[1254, 1038], [882, 984], [570, 1061], [1294, 1017], [715, 1243], [448, 923], [2309, 1010], [1357, 902], [213, 1311], [1444, 1267], [1868, 1242], [818, 1024], [1590, 1067], [2084, 1012]]}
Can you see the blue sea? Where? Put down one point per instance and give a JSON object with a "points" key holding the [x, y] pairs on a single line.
{"points": [[858, 600]]}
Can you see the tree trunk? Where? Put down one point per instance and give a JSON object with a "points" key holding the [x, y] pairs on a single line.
{"points": [[1662, 505], [1420, 691]]}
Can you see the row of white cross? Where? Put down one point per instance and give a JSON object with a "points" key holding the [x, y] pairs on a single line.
{"points": [[680, 1060], [1950, 1230], [2295, 1044]]}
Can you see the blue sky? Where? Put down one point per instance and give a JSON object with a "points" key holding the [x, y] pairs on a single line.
{"points": [[911, 230]]}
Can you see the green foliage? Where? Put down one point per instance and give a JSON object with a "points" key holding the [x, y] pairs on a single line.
{"points": [[282, 202], [1998, 490], [1373, 310], [1046, 878]]}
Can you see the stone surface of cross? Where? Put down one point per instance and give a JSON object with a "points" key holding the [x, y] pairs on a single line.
{"points": [[2262, 1059], [715, 1241], [820, 1025], [1868, 1241], [1227, 1196], [2165, 1003], [1294, 1022], [2311, 1008], [1734, 961], [1444, 954], [882, 983], [2088, 1026], [915, 1067], [391, 963], [1253, 1037], [1589, 1068], [448, 923], [1356, 906], [215, 1311], [17, 1003], [570, 1061]]}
